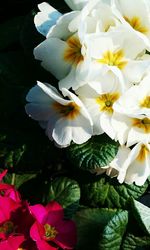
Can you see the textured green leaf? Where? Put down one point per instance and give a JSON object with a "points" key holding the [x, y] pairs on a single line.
{"points": [[132, 242], [66, 192], [10, 32], [98, 152], [90, 224], [142, 215], [107, 192], [113, 232]]}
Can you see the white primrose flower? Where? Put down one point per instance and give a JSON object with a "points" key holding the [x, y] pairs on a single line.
{"points": [[136, 100], [136, 167], [100, 104], [64, 120], [96, 16], [62, 52], [115, 51], [135, 15], [130, 129], [46, 18]]}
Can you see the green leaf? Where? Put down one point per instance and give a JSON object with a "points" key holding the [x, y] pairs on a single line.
{"points": [[97, 152], [107, 192], [66, 192], [142, 215], [132, 242], [18, 179], [113, 232], [90, 223], [10, 32]]}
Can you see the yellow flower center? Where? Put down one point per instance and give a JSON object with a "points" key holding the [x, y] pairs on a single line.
{"points": [[136, 24], [113, 59], [7, 228], [106, 101], [143, 153], [50, 232], [146, 102], [69, 111], [143, 124], [73, 51]]}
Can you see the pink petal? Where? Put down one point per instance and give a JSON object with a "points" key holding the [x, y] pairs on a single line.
{"points": [[7, 206], [2, 175], [13, 243], [67, 236], [43, 245], [4, 186], [38, 211], [13, 194], [55, 213], [37, 231]]}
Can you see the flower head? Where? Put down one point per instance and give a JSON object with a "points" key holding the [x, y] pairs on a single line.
{"points": [[64, 120], [136, 167], [50, 229]]}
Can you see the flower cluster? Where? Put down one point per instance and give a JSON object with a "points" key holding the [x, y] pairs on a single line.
{"points": [[25, 227], [99, 52]]}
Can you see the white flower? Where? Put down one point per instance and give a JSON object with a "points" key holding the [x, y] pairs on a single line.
{"points": [[131, 117], [46, 18], [64, 120], [130, 129], [100, 104], [135, 15], [115, 51], [136, 100], [62, 52], [96, 16], [52, 51], [136, 167]]}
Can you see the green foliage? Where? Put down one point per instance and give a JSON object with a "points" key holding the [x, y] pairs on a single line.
{"points": [[66, 192], [98, 152], [132, 242], [107, 192], [90, 224], [113, 232], [142, 214], [100, 229]]}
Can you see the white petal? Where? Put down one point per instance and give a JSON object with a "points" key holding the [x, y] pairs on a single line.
{"points": [[61, 29], [62, 132], [76, 4], [69, 81], [134, 71], [105, 122], [121, 125], [83, 110], [45, 19], [51, 53], [39, 112], [137, 135], [81, 130], [52, 93], [37, 95]]}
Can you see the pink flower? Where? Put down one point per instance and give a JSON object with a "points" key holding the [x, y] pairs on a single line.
{"points": [[15, 223], [51, 231]]}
